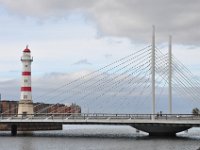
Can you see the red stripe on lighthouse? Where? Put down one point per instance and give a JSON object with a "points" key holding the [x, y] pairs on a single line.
{"points": [[26, 73], [26, 89]]}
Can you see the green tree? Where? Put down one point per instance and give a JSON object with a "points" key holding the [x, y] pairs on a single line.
{"points": [[195, 111]]}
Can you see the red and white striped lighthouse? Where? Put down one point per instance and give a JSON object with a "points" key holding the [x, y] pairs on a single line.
{"points": [[26, 104]]}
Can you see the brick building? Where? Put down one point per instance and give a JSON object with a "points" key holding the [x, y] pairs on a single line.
{"points": [[11, 108]]}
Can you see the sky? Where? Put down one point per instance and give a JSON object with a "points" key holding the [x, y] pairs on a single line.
{"points": [[70, 38]]}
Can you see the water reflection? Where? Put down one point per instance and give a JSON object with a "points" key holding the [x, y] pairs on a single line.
{"points": [[26, 144], [98, 138]]}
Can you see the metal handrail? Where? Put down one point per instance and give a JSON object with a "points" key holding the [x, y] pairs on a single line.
{"points": [[100, 116]]}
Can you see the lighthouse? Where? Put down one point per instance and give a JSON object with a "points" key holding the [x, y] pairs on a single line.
{"points": [[26, 104]]}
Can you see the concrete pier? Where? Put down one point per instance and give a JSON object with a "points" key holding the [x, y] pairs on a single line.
{"points": [[29, 126]]}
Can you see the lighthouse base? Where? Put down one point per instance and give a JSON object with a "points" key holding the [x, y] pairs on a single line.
{"points": [[25, 107]]}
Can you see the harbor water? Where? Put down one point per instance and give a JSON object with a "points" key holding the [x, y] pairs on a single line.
{"points": [[99, 138]]}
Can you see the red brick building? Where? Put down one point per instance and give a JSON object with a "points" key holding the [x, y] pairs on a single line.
{"points": [[11, 107]]}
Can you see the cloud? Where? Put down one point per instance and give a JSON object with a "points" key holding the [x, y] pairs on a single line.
{"points": [[10, 89], [116, 20], [82, 62], [107, 56], [94, 92], [127, 18]]}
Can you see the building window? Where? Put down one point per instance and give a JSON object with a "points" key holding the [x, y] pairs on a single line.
{"points": [[26, 65], [25, 96], [25, 80]]}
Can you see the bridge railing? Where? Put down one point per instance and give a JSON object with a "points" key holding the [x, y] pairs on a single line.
{"points": [[99, 116]]}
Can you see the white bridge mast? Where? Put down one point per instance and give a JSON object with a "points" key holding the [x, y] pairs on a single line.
{"points": [[153, 72], [170, 75]]}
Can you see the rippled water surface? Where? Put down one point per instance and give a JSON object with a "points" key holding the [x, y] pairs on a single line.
{"points": [[99, 138]]}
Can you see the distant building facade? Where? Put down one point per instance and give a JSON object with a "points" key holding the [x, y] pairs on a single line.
{"points": [[11, 108]]}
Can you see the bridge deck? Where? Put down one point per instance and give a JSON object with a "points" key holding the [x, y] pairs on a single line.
{"points": [[153, 124], [105, 118]]}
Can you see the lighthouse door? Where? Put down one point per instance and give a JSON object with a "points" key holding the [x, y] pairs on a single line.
{"points": [[24, 114]]}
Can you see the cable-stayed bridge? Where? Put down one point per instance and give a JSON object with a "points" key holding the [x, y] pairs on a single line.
{"points": [[125, 92]]}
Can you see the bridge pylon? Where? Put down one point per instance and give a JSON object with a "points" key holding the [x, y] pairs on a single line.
{"points": [[153, 74]]}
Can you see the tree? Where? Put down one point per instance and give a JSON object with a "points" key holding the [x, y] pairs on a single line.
{"points": [[195, 111]]}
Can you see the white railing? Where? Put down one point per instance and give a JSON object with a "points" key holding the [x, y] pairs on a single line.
{"points": [[97, 116]]}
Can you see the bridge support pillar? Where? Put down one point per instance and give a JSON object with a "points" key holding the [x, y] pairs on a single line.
{"points": [[159, 129], [14, 130], [170, 134]]}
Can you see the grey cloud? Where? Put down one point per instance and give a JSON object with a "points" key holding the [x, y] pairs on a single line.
{"points": [[133, 19], [82, 62], [107, 56], [10, 89], [64, 88], [14, 71], [125, 18]]}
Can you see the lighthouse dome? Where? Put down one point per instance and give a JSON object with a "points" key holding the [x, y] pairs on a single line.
{"points": [[27, 49]]}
